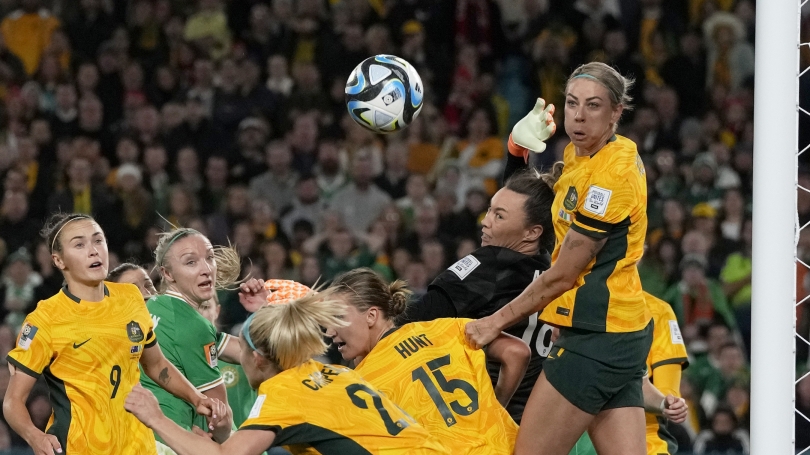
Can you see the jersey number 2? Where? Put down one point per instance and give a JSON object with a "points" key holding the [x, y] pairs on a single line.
{"points": [[448, 386], [393, 428], [115, 379]]}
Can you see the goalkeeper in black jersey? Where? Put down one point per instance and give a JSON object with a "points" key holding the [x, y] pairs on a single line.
{"points": [[517, 237]]}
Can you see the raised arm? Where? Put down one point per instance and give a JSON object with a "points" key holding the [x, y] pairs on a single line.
{"points": [[143, 404], [513, 355], [578, 250]]}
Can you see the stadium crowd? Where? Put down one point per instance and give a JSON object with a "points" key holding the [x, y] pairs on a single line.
{"points": [[229, 117]]}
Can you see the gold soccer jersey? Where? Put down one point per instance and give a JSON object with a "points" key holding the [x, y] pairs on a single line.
{"points": [[88, 353], [330, 410], [667, 349], [603, 196], [429, 370]]}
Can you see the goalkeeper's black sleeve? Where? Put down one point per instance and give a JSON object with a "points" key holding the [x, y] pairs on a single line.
{"points": [[434, 304], [513, 164]]}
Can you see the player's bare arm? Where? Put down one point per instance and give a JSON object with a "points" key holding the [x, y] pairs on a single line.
{"points": [[232, 350], [578, 250], [166, 375], [221, 427], [513, 355], [18, 418], [669, 406], [143, 405]]}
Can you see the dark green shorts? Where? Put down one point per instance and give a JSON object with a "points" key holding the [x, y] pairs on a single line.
{"points": [[596, 371]]}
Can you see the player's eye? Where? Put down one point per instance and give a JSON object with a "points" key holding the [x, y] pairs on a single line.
{"points": [[593, 105], [79, 245], [191, 263], [571, 103]]}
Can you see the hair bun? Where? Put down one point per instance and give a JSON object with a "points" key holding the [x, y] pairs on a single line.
{"points": [[400, 297]]}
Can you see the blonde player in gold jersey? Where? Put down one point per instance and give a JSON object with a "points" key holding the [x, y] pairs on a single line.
{"points": [[87, 342], [304, 405], [592, 378], [427, 367]]}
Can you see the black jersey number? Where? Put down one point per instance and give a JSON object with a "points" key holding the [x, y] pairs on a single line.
{"points": [[449, 386], [542, 344], [394, 428], [115, 379]]}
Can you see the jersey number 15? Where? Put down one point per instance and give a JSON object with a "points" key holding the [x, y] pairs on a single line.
{"points": [[449, 386]]}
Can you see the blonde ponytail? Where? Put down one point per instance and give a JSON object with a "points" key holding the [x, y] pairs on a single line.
{"points": [[290, 334]]}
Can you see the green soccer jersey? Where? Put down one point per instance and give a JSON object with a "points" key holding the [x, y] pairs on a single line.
{"points": [[189, 342], [240, 396]]}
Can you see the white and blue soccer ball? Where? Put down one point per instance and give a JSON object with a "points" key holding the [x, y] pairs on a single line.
{"points": [[384, 93]]}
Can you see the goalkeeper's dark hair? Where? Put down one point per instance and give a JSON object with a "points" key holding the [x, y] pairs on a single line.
{"points": [[539, 191]]}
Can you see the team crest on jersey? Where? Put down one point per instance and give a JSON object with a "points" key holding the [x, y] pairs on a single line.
{"points": [[27, 335], [211, 354], [571, 199], [134, 332], [230, 376]]}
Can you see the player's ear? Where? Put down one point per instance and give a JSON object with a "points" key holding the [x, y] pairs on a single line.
{"points": [[58, 262], [372, 315], [533, 233], [166, 274]]}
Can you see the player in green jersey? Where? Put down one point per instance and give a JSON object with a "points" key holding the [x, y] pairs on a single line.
{"points": [[191, 270]]}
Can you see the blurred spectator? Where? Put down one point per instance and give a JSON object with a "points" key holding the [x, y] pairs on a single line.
{"points": [[277, 185], [329, 173], [208, 30], [30, 20], [306, 205], [697, 299], [361, 200], [724, 436], [394, 180], [730, 58], [16, 228], [18, 285], [736, 279]]}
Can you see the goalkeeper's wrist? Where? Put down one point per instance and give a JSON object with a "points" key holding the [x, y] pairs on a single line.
{"points": [[516, 150]]}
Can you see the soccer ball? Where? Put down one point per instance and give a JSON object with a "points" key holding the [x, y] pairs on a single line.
{"points": [[384, 93]]}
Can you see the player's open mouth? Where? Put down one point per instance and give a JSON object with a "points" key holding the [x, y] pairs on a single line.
{"points": [[96, 265], [578, 135], [340, 345], [205, 285]]}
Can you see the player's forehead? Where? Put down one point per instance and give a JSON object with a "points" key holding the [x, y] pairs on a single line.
{"points": [[191, 244], [82, 228], [508, 200], [585, 88]]}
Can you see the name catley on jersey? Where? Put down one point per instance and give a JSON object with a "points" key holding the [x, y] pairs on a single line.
{"points": [[189, 342], [429, 370], [331, 410], [484, 282], [88, 353]]}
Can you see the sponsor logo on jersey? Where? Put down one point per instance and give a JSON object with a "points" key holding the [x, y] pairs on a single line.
{"points": [[155, 320], [465, 266], [571, 199], [211, 354], [563, 311], [134, 332], [596, 201], [27, 335]]}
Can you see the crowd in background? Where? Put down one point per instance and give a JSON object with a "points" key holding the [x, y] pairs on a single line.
{"points": [[229, 117]]}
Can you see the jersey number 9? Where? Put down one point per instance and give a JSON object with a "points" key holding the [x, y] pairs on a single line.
{"points": [[115, 379]]}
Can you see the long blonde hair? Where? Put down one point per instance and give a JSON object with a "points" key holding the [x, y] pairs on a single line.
{"points": [[289, 334]]}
